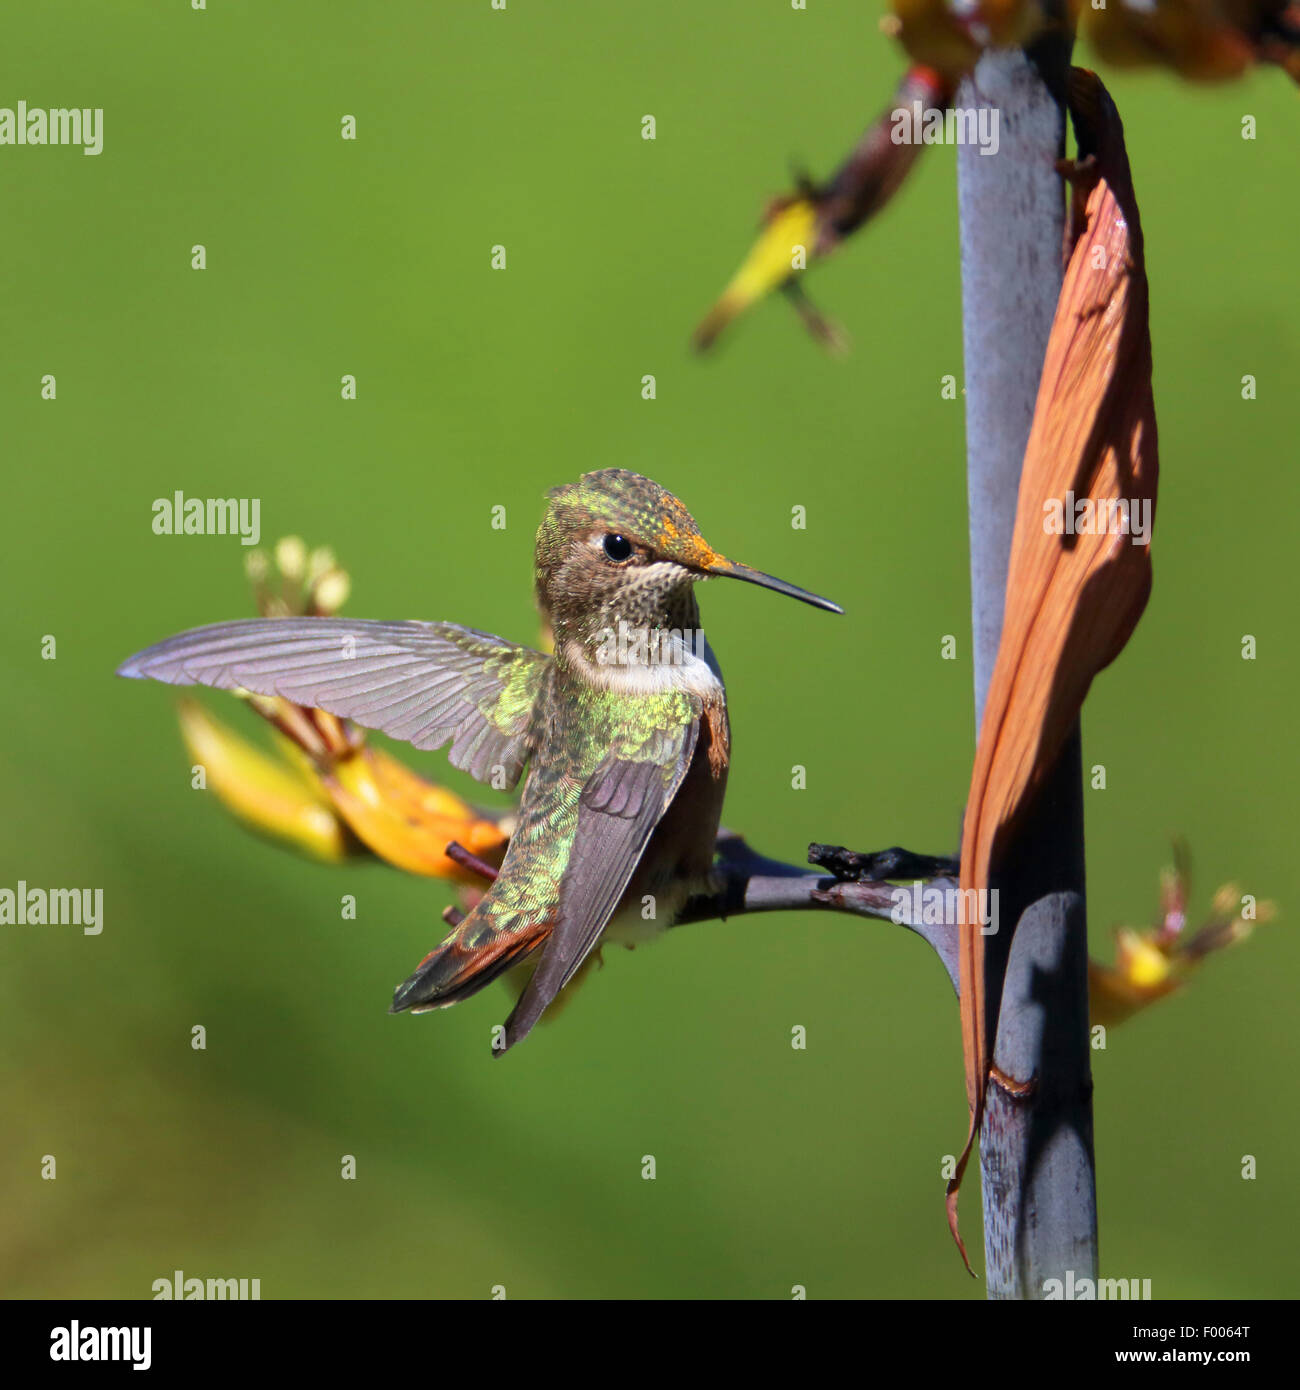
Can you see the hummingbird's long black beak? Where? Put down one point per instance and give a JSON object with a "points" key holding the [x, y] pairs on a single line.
{"points": [[731, 570]]}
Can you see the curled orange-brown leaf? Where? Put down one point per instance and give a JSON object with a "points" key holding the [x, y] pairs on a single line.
{"points": [[1080, 566]]}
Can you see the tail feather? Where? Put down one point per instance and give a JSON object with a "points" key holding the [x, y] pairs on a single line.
{"points": [[472, 956]]}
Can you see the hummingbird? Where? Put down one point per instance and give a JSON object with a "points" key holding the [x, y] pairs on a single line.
{"points": [[623, 730]]}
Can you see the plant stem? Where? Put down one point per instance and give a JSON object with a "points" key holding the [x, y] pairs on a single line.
{"points": [[1036, 1152]]}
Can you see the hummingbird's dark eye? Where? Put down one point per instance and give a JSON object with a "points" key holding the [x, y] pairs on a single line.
{"points": [[617, 548]]}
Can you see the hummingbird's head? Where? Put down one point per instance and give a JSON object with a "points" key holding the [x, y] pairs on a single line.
{"points": [[615, 546]]}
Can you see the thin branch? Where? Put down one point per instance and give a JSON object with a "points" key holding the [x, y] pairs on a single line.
{"points": [[750, 882], [467, 859]]}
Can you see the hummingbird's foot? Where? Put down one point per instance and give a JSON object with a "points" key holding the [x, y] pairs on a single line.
{"points": [[458, 854], [874, 867], [1008, 1085], [452, 915]]}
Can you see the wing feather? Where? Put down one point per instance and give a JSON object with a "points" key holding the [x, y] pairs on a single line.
{"points": [[427, 683]]}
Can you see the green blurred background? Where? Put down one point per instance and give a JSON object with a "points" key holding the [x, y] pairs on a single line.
{"points": [[478, 388]]}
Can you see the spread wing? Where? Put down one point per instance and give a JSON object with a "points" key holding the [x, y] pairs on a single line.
{"points": [[618, 809], [426, 683]]}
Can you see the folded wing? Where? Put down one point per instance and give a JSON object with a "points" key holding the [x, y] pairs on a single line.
{"points": [[621, 803]]}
